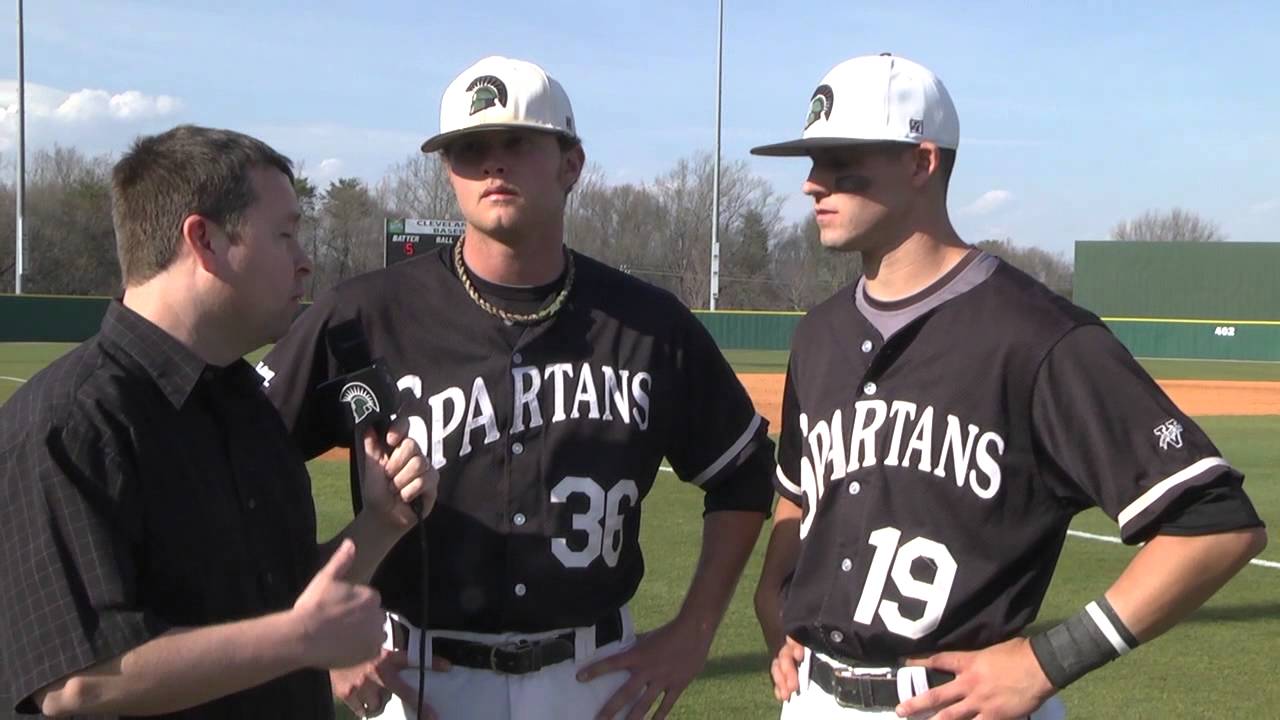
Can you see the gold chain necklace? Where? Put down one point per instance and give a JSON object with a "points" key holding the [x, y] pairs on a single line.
{"points": [[513, 318]]}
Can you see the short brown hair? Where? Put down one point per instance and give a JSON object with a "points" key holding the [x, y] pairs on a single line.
{"points": [[946, 161], [165, 178], [946, 164], [567, 142]]}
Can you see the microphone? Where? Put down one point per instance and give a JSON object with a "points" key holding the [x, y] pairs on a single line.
{"points": [[365, 395]]}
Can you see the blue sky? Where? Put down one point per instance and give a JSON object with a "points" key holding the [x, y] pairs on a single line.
{"points": [[1074, 115]]}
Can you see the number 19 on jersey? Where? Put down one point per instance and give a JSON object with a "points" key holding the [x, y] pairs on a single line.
{"points": [[895, 561]]}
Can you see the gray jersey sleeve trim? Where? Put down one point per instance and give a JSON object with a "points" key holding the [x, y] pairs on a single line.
{"points": [[1158, 490], [729, 454]]}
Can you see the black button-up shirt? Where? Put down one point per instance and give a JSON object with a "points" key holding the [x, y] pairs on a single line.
{"points": [[141, 490]]}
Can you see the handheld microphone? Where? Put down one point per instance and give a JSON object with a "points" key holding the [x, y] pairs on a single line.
{"points": [[366, 396]]}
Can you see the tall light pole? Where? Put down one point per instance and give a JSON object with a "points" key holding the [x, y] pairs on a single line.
{"points": [[22, 161], [715, 178]]}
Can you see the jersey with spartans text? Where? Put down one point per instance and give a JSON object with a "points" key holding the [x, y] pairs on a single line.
{"points": [[547, 440], [938, 469]]}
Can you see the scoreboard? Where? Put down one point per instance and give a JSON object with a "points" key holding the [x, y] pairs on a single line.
{"points": [[406, 237]]}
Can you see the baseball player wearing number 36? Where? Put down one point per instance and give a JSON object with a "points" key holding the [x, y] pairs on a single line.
{"points": [[548, 388], [943, 419]]}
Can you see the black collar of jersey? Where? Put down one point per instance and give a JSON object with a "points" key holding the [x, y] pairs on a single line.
{"points": [[584, 272], [515, 293], [173, 366]]}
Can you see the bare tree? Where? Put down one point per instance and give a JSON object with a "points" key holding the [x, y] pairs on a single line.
{"points": [[1052, 269], [8, 230], [309, 226], [587, 210], [805, 272], [658, 230], [419, 187], [618, 225], [685, 196], [1176, 225], [70, 240]]}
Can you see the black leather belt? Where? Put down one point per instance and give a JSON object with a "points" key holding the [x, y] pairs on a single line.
{"points": [[524, 656], [865, 692]]}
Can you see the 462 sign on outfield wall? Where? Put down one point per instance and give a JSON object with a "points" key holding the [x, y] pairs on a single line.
{"points": [[406, 237]]}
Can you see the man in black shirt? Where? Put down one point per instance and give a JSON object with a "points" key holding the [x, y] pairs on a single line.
{"points": [[157, 534]]}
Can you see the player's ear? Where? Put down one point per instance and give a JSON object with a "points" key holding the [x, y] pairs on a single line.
{"points": [[200, 238], [571, 163], [926, 161]]}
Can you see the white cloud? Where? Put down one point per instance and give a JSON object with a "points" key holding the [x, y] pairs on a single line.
{"points": [[988, 202], [80, 114], [85, 105], [327, 171], [341, 151], [131, 105]]}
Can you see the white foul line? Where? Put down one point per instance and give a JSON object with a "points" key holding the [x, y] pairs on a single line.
{"points": [[12, 379], [1116, 541], [1091, 536]]}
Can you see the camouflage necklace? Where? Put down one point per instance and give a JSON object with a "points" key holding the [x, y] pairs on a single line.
{"points": [[513, 318]]}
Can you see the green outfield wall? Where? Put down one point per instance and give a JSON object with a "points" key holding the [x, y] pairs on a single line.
{"points": [[1212, 301], [1199, 339], [32, 318], [1189, 280], [750, 330], [50, 318]]}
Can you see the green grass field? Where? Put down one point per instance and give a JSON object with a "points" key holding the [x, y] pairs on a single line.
{"points": [[1215, 665], [19, 361]]}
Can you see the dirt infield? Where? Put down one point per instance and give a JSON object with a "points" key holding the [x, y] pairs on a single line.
{"points": [[1195, 397], [1224, 397]]}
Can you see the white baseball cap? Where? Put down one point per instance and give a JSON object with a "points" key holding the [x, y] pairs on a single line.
{"points": [[875, 98], [500, 92]]}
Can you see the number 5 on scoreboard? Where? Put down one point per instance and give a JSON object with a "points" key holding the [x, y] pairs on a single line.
{"points": [[892, 561]]}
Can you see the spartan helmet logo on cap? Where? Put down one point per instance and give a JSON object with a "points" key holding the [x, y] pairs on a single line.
{"points": [[820, 105], [487, 91], [361, 400]]}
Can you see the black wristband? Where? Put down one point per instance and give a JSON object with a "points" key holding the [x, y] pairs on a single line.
{"points": [[1083, 643]]}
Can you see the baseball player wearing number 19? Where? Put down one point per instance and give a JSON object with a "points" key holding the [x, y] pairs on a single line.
{"points": [[548, 388], [944, 418]]}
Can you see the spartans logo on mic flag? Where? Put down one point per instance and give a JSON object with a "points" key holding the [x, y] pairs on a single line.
{"points": [[360, 399], [366, 396]]}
